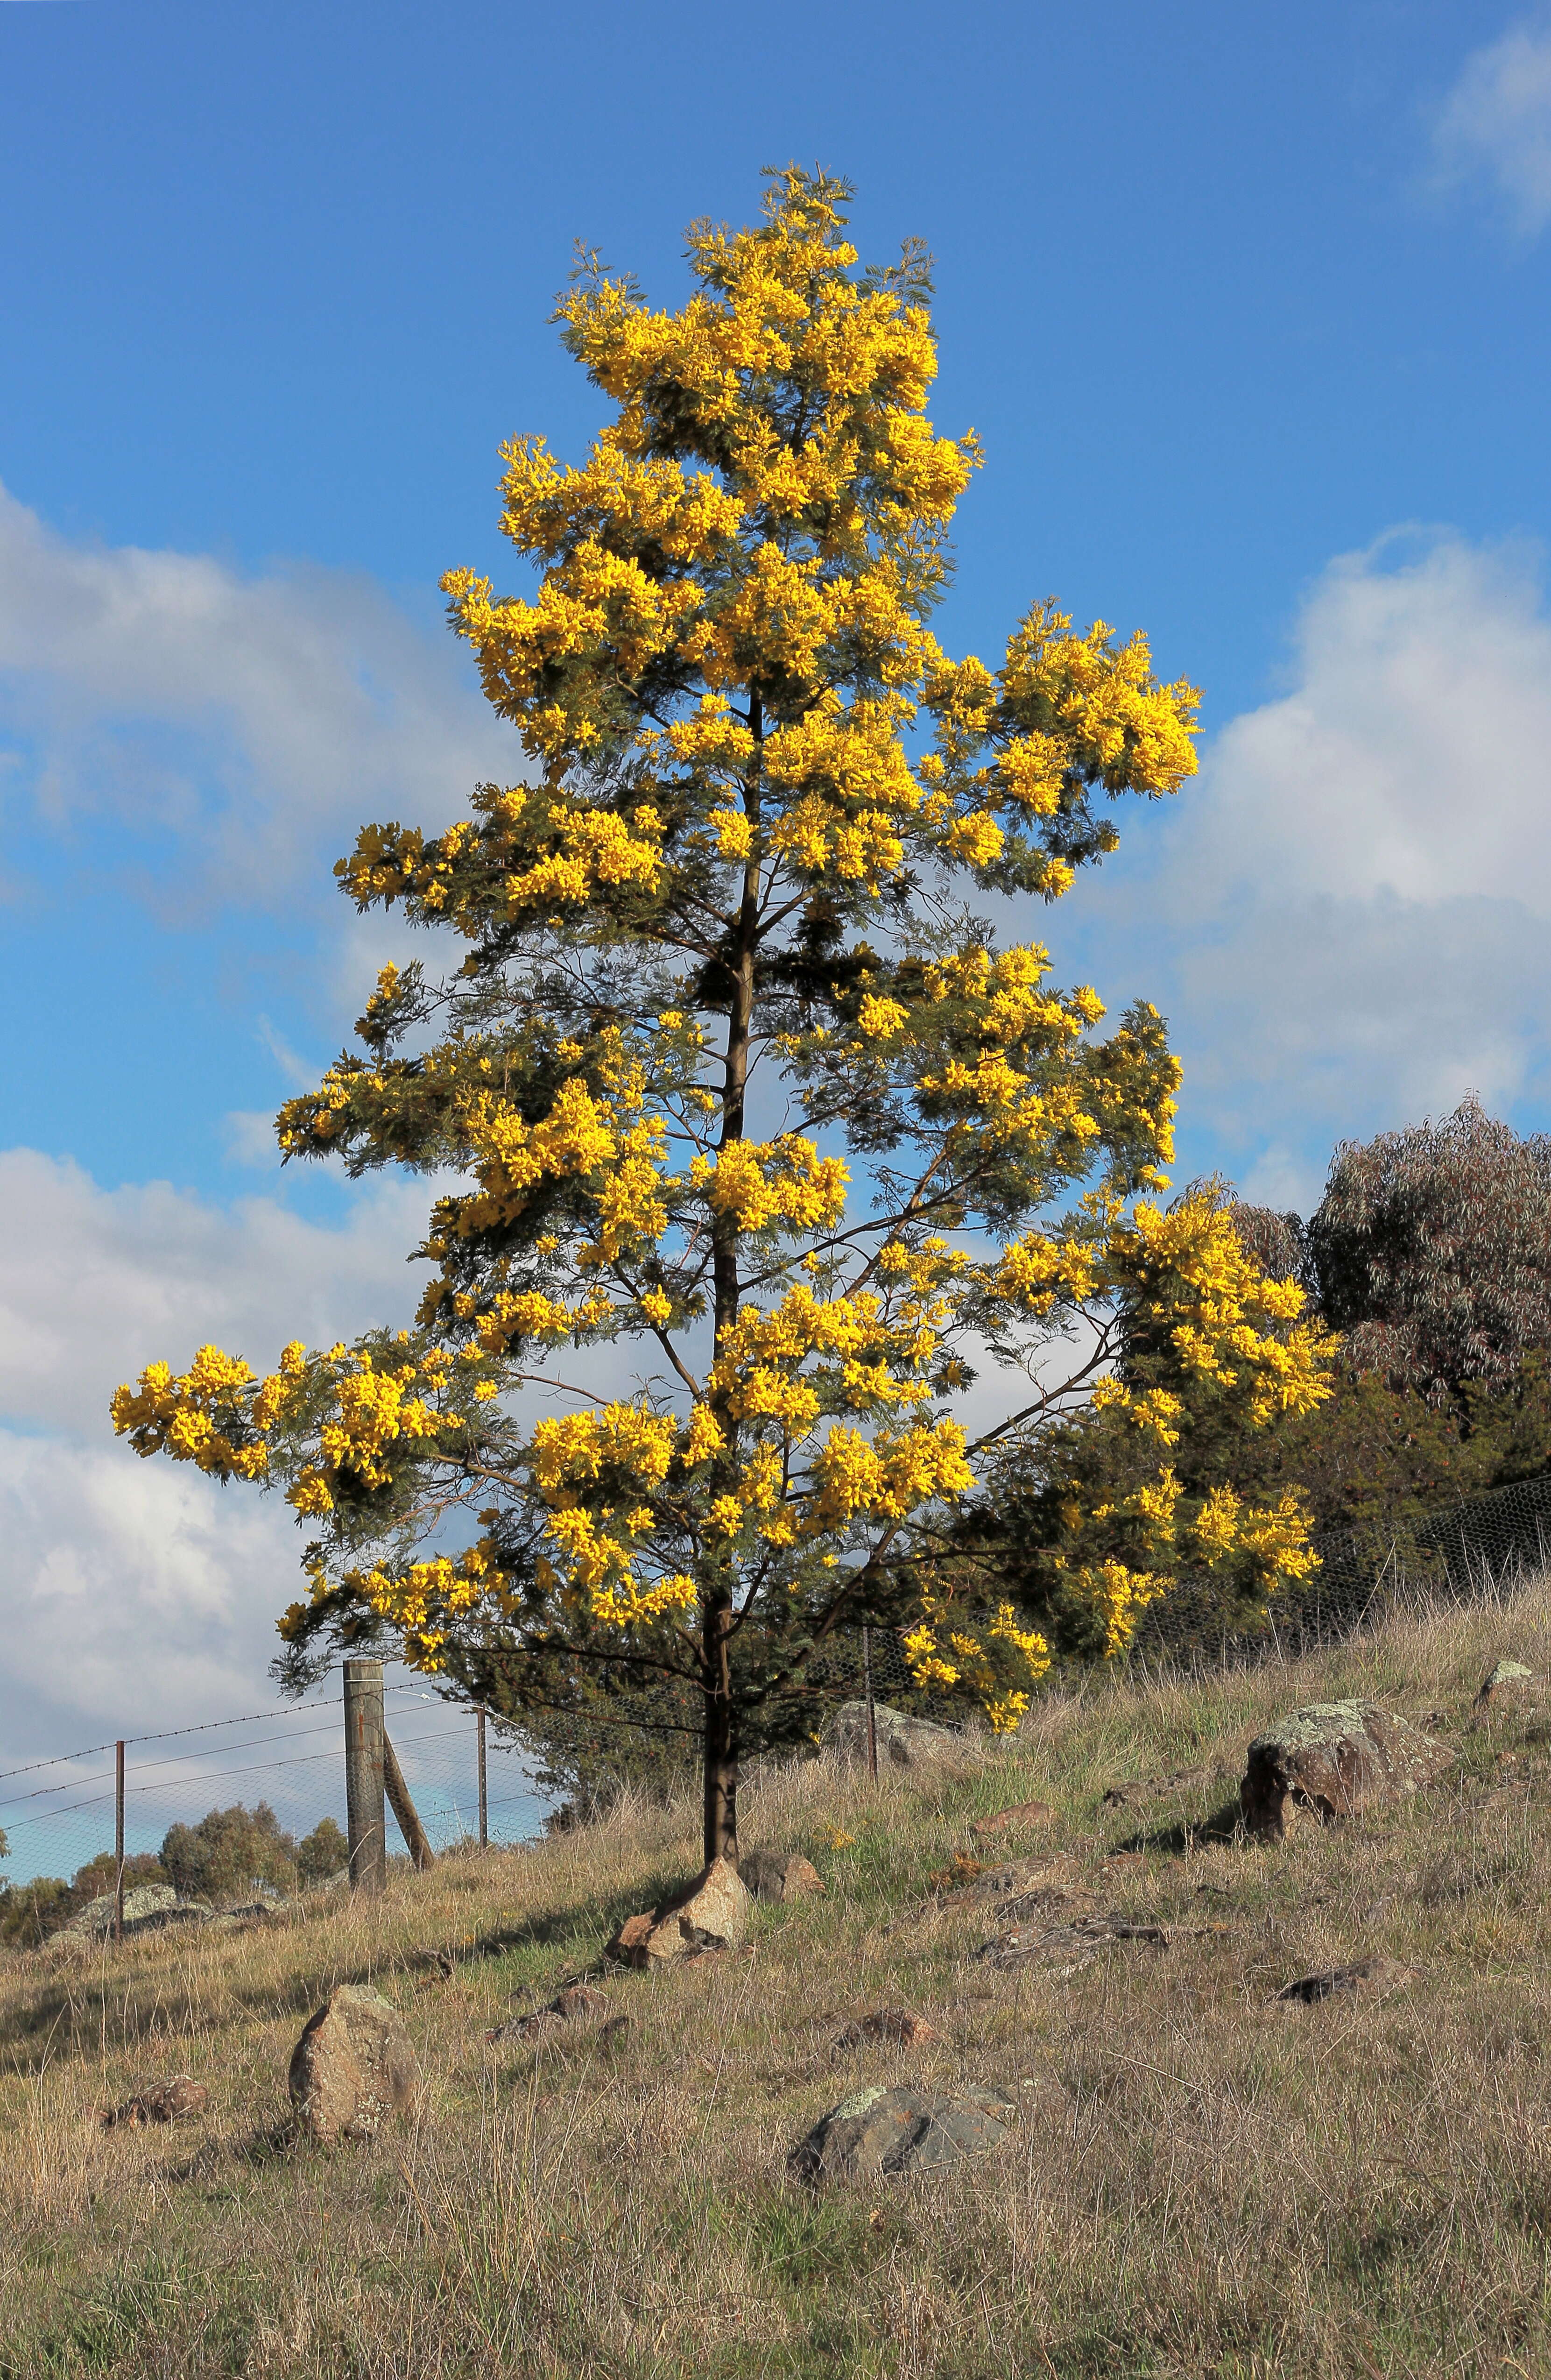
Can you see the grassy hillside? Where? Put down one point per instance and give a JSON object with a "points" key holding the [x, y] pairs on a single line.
{"points": [[1205, 2181]]}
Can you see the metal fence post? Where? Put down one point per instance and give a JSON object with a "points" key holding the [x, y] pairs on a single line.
{"points": [[872, 1713], [484, 1804], [365, 1790], [118, 1842]]}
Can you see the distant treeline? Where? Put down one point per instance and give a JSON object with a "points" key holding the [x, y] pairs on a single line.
{"points": [[226, 1857]]}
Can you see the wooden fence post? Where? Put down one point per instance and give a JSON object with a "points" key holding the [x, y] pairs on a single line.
{"points": [[417, 1842], [365, 1804]]}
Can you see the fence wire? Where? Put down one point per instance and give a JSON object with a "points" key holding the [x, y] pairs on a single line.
{"points": [[58, 1816]]}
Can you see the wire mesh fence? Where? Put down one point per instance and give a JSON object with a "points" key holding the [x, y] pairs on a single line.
{"points": [[1459, 1554], [59, 1814]]}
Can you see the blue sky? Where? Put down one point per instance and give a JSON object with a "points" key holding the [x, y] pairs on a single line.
{"points": [[1249, 310]]}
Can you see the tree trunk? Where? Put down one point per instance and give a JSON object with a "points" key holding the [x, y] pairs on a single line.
{"points": [[721, 1733], [722, 1745]]}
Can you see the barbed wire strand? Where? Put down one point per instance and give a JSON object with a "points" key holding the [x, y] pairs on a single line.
{"points": [[204, 1727]]}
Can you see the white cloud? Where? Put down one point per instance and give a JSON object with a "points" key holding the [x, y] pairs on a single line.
{"points": [[1348, 919], [94, 1284], [1411, 755], [141, 1592], [1497, 122], [258, 719]]}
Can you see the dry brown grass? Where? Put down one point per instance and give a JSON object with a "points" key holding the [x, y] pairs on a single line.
{"points": [[1205, 2181]]}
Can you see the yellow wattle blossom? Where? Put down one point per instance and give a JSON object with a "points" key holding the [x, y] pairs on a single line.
{"points": [[757, 1184]]}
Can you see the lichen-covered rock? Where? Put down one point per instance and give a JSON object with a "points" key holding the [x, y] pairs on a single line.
{"points": [[1509, 1682], [353, 2068], [140, 1902], [881, 2131], [1332, 1758], [904, 1742], [779, 1876]]}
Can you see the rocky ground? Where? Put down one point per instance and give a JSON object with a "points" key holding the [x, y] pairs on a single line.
{"points": [[1042, 2059]]}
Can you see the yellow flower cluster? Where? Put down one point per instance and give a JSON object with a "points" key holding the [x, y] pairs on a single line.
{"points": [[1224, 1317], [886, 1476], [1274, 1537], [1036, 1273], [206, 1416], [595, 847], [604, 1140], [1118, 1595], [374, 1410], [762, 1183], [995, 1658], [1102, 704], [759, 1374], [569, 1449], [600, 1547]]}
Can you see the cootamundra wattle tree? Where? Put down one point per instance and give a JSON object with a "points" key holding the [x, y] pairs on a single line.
{"points": [[735, 1085]]}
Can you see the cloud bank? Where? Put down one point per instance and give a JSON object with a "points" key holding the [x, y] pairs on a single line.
{"points": [[1349, 913], [245, 725], [145, 1583]]}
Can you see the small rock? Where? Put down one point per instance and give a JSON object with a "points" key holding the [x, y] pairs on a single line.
{"points": [[1372, 1978], [1332, 1758], [1019, 1815], [629, 1944], [616, 2026], [901, 2131], [353, 2067], [897, 2026], [246, 1914], [164, 2103], [779, 1876], [1508, 1682], [710, 1914], [1055, 1898], [573, 2006], [904, 1742], [578, 2001]]}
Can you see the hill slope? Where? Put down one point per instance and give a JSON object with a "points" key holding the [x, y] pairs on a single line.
{"points": [[1204, 2179]]}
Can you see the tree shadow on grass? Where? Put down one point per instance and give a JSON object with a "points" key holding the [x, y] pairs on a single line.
{"points": [[1224, 1826]]}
